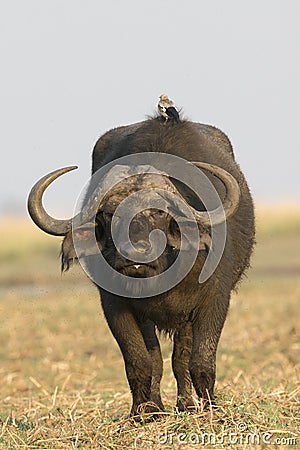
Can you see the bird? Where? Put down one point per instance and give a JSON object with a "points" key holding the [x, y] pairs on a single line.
{"points": [[167, 109]]}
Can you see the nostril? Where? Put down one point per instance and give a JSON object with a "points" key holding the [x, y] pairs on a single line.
{"points": [[142, 246], [129, 250], [125, 250]]}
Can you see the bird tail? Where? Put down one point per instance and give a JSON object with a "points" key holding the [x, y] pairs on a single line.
{"points": [[173, 114]]}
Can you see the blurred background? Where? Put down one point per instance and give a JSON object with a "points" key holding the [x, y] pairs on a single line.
{"points": [[72, 70]]}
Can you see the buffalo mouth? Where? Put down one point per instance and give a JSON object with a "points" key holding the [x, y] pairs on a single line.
{"points": [[139, 270]]}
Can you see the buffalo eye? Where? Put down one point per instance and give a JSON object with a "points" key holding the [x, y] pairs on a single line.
{"points": [[174, 228]]}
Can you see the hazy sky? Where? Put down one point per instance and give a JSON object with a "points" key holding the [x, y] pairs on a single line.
{"points": [[70, 70]]}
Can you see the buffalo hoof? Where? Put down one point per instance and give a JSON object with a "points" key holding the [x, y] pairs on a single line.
{"points": [[146, 412], [186, 404], [190, 406]]}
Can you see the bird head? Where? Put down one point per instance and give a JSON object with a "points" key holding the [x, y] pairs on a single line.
{"points": [[164, 97]]}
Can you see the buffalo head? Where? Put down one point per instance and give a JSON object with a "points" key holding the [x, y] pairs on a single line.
{"points": [[160, 205]]}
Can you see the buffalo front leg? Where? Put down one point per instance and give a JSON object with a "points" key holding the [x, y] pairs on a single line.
{"points": [[180, 364], [207, 330], [153, 347], [138, 363]]}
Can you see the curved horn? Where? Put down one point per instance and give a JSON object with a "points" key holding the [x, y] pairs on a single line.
{"points": [[231, 201], [37, 211]]}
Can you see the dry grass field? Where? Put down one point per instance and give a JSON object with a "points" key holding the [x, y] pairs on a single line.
{"points": [[63, 383]]}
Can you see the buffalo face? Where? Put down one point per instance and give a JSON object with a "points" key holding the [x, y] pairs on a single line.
{"points": [[146, 221]]}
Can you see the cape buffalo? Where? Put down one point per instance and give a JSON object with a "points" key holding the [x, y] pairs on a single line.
{"points": [[192, 313]]}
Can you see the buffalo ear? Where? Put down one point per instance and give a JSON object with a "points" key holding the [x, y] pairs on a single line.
{"points": [[86, 245], [68, 254]]}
